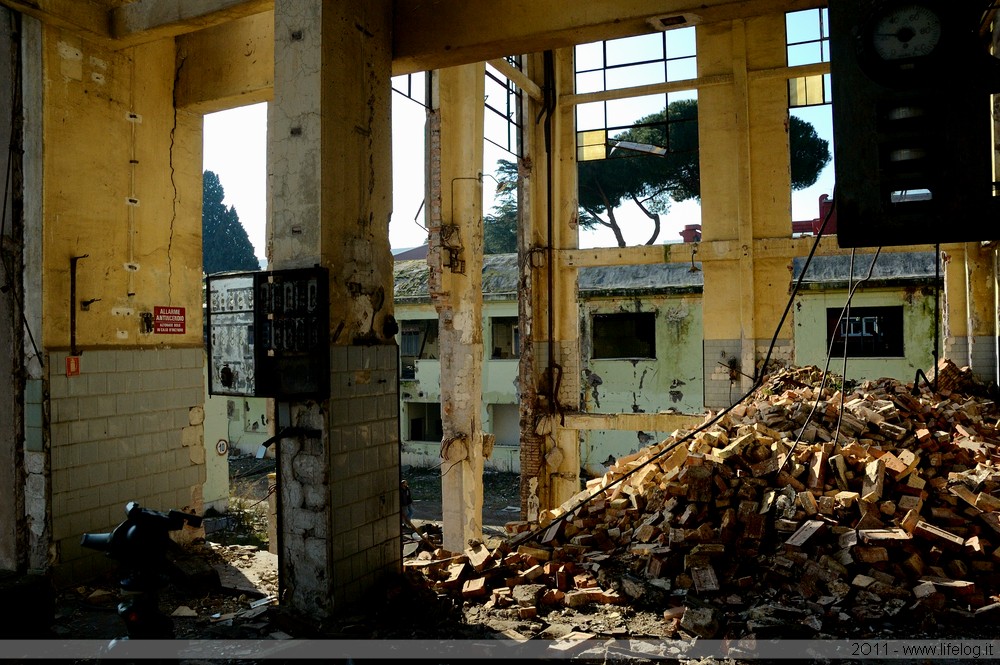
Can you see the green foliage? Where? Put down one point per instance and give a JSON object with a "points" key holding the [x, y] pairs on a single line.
{"points": [[500, 226], [652, 181], [809, 153], [246, 523], [224, 241], [628, 174]]}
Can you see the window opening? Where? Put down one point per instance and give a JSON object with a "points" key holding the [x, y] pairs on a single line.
{"points": [[624, 335], [638, 167], [418, 340], [807, 36], [807, 42], [424, 421], [868, 332], [412, 86], [662, 57], [506, 338]]}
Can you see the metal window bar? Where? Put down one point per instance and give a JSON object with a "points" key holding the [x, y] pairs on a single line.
{"points": [[413, 87], [506, 110]]}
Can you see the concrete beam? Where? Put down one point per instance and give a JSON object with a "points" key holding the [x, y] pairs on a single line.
{"points": [[443, 33], [138, 22], [82, 17], [631, 422], [227, 65], [149, 20]]}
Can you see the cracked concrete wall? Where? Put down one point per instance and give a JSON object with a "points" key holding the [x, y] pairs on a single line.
{"points": [[812, 344], [113, 174], [130, 201], [673, 380]]}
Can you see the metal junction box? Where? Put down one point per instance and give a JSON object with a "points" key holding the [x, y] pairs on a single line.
{"points": [[269, 333]]}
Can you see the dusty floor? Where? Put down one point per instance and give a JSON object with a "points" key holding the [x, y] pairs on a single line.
{"points": [[242, 606]]}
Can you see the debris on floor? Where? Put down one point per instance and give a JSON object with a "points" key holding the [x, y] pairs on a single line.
{"points": [[800, 512]]}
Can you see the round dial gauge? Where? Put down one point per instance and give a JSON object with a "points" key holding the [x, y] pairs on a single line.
{"points": [[906, 31]]}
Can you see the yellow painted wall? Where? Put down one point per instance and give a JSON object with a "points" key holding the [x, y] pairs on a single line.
{"points": [[718, 138], [771, 280], [745, 177], [228, 65], [95, 159]]}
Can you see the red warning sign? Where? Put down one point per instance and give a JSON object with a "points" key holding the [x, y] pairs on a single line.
{"points": [[169, 321], [72, 365]]}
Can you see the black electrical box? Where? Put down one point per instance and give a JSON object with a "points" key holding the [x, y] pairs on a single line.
{"points": [[269, 333], [912, 122]]}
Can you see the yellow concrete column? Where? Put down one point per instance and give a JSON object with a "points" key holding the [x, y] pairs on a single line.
{"points": [[533, 312], [745, 185], [456, 262], [562, 461], [970, 315]]}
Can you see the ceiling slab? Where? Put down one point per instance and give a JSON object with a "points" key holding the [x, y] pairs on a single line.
{"points": [[432, 34]]}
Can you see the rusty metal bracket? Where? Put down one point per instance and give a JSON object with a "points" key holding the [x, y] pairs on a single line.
{"points": [[73, 351], [451, 243]]}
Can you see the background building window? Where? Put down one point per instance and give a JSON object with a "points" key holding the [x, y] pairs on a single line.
{"points": [[423, 421], [506, 338], [418, 339], [624, 335], [867, 332]]}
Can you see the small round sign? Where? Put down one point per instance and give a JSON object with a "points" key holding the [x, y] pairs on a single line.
{"points": [[222, 447]]}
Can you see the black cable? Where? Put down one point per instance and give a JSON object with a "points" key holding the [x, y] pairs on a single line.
{"points": [[844, 312], [847, 318], [13, 149]]}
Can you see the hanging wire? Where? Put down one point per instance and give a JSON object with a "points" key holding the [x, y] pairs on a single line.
{"points": [[844, 313]]}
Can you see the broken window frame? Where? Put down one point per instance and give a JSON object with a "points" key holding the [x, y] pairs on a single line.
{"points": [[869, 332], [431, 427], [414, 87], [623, 336], [505, 336], [424, 347], [507, 111], [597, 138], [672, 53], [815, 89]]}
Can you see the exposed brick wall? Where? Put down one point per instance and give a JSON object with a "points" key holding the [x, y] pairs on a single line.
{"points": [[129, 427], [720, 391]]}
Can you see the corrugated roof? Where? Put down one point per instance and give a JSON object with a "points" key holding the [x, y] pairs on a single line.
{"points": [[890, 267], [500, 278], [500, 275]]}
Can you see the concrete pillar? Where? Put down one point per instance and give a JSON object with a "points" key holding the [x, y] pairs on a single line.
{"points": [[330, 179], [550, 370], [746, 195], [456, 262], [12, 355], [970, 315]]}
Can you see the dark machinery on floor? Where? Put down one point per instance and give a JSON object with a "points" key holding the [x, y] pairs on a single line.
{"points": [[140, 544]]}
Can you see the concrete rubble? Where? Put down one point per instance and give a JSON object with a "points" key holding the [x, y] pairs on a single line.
{"points": [[795, 513]]}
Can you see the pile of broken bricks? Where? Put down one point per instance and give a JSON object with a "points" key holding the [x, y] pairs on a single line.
{"points": [[796, 510]]}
